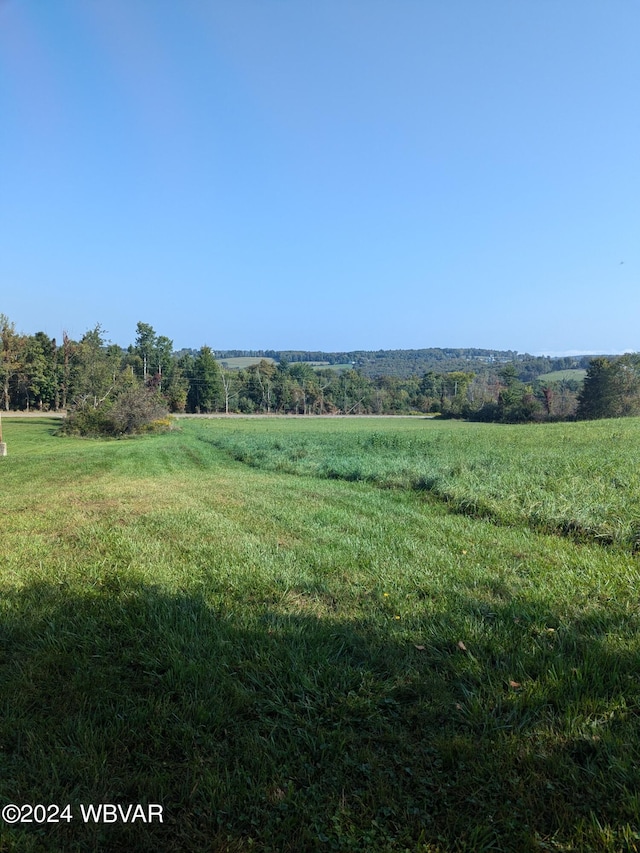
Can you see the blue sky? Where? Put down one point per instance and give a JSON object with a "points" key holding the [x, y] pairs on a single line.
{"points": [[335, 175]]}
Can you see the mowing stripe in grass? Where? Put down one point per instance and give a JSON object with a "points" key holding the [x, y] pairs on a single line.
{"points": [[298, 663]]}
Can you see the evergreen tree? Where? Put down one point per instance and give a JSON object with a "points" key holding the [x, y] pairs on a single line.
{"points": [[205, 385], [597, 399]]}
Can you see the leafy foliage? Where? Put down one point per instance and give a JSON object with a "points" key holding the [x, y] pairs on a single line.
{"points": [[486, 385], [611, 388], [205, 384], [134, 410]]}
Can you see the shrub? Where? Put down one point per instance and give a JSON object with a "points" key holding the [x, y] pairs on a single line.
{"points": [[133, 411], [87, 420]]}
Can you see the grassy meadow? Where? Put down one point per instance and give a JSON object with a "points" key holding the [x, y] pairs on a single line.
{"points": [[241, 362], [323, 635], [573, 373]]}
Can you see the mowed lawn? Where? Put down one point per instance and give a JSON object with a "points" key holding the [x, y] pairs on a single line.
{"points": [[276, 631]]}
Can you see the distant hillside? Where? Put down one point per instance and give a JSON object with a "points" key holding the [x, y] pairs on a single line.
{"points": [[404, 363]]}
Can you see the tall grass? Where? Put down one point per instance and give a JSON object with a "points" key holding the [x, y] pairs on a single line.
{"points": [[297, 663], [581, 479]]}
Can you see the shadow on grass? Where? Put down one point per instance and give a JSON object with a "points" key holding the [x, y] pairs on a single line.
{"points": [[262, 730]]}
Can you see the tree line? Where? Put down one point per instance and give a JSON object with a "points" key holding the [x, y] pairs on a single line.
{"points": [[92, 375]]}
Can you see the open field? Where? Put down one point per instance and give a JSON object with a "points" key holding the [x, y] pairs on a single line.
{"points": [[340, 635], [345, 365], [241, 362], [573, 478], [577, 374]]}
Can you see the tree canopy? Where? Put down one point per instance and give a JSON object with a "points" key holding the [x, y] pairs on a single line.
{"points": [[93, 374]]}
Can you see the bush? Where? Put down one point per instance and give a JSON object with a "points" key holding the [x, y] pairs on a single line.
{"points": [[134, 410], [159, 425], [88, 420]]}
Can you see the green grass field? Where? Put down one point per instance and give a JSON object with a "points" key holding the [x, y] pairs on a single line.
{"points": [[576, 373], [578, 479], [323, 634], [344, 365], [241, 362]]}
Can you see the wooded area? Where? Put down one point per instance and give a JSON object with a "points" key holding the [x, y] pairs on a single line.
{"points": [[92, 374]]}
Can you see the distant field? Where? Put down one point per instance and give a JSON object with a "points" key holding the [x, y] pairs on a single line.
{"points": [[241, 362], [558, 375], [326, 365], [345, 366], [327, 635]]}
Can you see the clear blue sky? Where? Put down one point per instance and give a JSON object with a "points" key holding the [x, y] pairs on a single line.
{"points": [[336, 175]]}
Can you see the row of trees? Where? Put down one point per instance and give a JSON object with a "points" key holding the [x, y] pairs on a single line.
{"points": [[38, 372]]}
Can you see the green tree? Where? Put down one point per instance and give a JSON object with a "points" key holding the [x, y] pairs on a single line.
{"points": [[98, 369], [162, 357], [259, 386], [230, 386], [175, 387], [356, 393], [145, 346], [627, 384], [455, 388], [516, 401], [432, 391], [9, 357], [611, 388], [598, 395], [37, 375], [205, 385], [391, 395], [302, 390], [65, 367]]}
